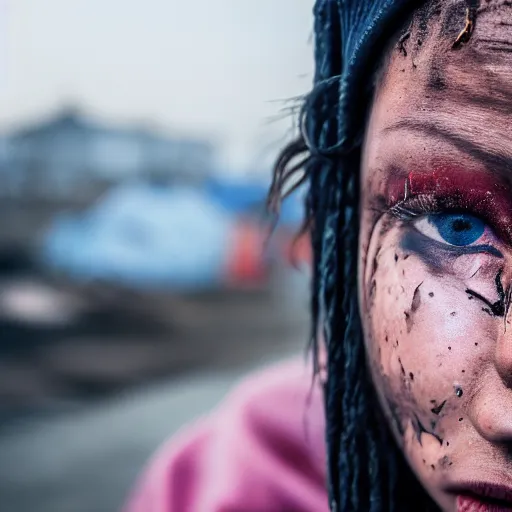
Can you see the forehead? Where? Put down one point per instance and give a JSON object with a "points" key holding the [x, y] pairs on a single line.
{"points": [[429, 87]]}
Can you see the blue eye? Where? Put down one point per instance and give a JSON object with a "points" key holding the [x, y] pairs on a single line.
{"points": [[458, 229]]}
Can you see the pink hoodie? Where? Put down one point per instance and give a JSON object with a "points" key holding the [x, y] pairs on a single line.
{"points": [[262, 450]]}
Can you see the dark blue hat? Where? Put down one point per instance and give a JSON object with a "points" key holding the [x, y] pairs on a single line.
{"points": [[350, 36]]}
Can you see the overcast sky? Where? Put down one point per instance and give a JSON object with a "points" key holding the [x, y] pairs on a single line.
{"points": [[215, 67]]}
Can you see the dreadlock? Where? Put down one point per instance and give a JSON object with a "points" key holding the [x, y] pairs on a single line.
{"points": [[364, 462]]}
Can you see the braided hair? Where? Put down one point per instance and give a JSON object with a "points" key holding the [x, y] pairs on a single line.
{"points": [[366, 469]]}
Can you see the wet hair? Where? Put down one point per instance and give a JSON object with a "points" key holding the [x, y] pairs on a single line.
{"points": [[366, 469]]}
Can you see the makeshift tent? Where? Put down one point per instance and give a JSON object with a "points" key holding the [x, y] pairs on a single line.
{"points": [[145, 237], [238, 196], [244, 197]]}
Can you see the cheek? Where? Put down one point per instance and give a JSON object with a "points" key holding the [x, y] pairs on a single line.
{"points": [[431, 320], [426, 336]]}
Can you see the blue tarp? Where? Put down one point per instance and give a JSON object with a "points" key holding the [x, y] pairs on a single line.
{"points": [[237, 196], [242, 197], [144, 237]]}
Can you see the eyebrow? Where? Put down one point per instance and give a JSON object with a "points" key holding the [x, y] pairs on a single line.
{"points": [[495, 161]]}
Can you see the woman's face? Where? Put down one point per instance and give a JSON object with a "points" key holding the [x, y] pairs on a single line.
{"points": [[436, 253]]}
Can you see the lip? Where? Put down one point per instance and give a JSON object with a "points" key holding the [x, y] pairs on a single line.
{"points": [[483, 497]]}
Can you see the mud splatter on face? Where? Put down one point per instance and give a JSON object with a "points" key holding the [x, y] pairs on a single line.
{"points": [[438, 408], [444, 462], [402, 42], [415, 304], [420, 429], [499, 307]]}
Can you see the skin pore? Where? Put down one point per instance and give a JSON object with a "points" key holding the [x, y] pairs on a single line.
{"points": [[435, 267]]}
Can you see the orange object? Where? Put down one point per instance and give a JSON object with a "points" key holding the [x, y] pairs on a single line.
{"points": [[246, 263]]}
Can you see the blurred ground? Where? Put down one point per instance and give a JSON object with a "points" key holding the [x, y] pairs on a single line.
{"points": [[88, 460], [93, 379]]}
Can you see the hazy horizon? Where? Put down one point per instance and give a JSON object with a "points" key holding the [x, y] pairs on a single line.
{"points": [[220, 70]]}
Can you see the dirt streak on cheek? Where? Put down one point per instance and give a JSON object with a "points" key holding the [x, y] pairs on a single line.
{"points": [[396, 391], [399, 390], [403, 407]]}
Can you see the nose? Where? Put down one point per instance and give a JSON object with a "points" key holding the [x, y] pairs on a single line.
{"points": [[491, 410]]}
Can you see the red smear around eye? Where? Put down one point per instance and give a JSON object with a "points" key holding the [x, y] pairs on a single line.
{"points": [[480, 193]]}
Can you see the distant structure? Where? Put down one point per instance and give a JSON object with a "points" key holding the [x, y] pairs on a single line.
{"points": [[69, 156]]}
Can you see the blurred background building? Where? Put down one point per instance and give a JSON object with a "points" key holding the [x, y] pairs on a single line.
{"points": [[138, 280], [69, 155]]}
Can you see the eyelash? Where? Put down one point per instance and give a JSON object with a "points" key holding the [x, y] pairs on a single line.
{"points": [[413, 207]]}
